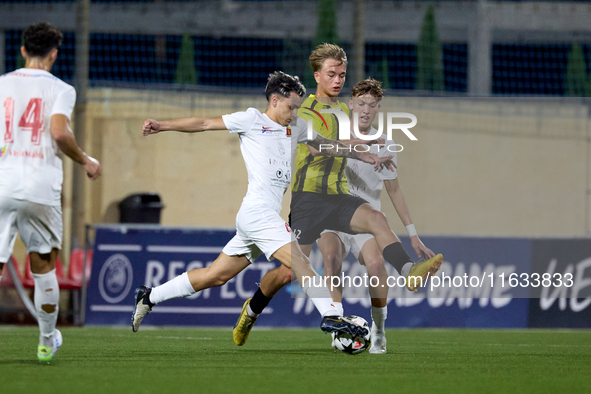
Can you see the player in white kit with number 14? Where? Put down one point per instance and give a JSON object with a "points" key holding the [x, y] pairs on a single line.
{"points": [[34, 128]]}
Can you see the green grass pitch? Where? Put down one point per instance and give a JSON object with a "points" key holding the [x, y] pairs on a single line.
{"points": [[170, 360]]}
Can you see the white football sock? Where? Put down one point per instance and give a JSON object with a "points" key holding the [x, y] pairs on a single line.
{"points": [[175, 288], [47, 298], [249, 311], [339, 307], [378, 315], [320, 296], [406, 269]]}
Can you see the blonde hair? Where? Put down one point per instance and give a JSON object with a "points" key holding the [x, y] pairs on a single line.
{"points": [[327, 51]]}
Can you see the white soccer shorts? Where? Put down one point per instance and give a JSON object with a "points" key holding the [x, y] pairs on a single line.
{"points": [[353, 242], [259, 229], [40, 226]]}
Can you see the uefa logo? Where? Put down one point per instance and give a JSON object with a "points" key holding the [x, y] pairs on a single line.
{"points": [[115, 278]]}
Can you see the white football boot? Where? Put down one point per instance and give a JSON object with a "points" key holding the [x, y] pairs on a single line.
{"points": [[57, 341], [378, 341]]}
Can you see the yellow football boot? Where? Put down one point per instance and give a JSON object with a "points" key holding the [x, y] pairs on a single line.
{"points": [[243, 325], [420, 272]]}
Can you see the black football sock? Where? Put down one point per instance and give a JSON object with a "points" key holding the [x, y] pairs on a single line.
{"points": [[396, 256], [259, 302]]}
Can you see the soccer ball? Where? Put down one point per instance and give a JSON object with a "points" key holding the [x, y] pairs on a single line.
{"points": [[347, 344]]}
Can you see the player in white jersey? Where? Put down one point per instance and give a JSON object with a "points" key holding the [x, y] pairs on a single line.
{"points": [[266, 145], [35, 128], [335, 246]]}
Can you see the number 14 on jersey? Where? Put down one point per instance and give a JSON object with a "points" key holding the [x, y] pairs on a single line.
{"points": [[31, 120]]}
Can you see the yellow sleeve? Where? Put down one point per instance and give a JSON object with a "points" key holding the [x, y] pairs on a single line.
{"points": [[317, 123], [345, 108]]}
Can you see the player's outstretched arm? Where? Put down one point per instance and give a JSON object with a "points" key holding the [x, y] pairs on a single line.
{"points": [[64, 138], [338, 149], [397, 198], [184, 125]]}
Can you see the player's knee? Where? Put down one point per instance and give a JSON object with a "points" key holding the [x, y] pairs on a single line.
{"points": [[333, 259], [374, 264], [224, 278], [285, 276], [42, 263], [215, 279], [378, 217], [377, 220], [219, 281]]}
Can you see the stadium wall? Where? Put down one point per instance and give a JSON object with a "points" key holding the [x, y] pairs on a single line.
{"points": [[489, 167]]}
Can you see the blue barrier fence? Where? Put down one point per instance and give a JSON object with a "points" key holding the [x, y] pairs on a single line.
{"points": [[127, 256]]}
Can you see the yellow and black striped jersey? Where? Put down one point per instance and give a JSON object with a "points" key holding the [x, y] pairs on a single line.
{"points": [[320, 174]]}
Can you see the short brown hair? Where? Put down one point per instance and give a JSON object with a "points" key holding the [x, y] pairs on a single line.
{"points": [[327, 51], [368, 86], [41, 38]]}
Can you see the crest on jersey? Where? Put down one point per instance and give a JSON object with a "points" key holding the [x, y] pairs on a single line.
{"points": [[288, 131]]}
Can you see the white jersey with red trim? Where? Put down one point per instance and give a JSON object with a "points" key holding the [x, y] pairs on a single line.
{"points": [[30, 167], [267, 148]]}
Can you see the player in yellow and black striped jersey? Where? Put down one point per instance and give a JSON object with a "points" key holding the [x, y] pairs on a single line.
{"points": [[320, 174], [320, 192], [321, 200]]}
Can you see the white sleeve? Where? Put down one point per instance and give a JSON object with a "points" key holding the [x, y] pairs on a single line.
{"points": [[239, 122], [301, 132], [64, 102], [385, 173]]}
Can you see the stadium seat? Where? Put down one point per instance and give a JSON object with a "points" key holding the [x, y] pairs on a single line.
{"points": [[63, 282], [75, 276], [77, 266], [72, 282], [27, 280], [6, 278]]}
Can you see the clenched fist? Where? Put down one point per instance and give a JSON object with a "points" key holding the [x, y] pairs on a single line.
{"points": [[151, 127]]}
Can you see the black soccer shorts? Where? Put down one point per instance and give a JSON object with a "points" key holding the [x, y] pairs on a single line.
{"points": [[312, 213]]}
